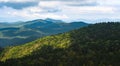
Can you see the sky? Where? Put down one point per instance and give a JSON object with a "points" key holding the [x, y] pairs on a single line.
{"points": [[91, 11]]}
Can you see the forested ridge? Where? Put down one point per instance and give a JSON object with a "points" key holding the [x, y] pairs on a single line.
{"points": [[13, 34], [94, 45]]}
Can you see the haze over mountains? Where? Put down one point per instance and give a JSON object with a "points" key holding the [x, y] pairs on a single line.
{"points": [[93, 45], [59, 32], [12, 34]]}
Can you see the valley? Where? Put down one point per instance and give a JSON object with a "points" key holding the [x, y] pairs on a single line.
{"points": [[93, 45], [22, 32]]}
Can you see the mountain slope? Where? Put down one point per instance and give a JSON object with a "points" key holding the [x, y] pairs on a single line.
{"points": [[95, 45], [20, 33]]}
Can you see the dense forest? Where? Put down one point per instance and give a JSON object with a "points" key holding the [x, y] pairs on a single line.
{"points": [[12, 34], [94, 45]]}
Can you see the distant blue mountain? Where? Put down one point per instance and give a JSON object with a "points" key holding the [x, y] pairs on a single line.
{"points": [[12, 34]]}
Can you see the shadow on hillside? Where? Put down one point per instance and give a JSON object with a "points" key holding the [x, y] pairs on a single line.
{"points": [[87, 48]]}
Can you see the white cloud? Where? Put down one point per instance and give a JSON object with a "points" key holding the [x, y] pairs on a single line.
{"points": [[29, 14], [109, 2], [18, 0], [57, 9], [49, 3]]}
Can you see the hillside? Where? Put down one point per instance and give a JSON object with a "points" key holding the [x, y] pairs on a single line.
{"points": [[94, 45], [17, 33]]}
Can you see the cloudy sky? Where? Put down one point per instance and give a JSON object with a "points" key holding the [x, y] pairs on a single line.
{"points": [[67, 10]]}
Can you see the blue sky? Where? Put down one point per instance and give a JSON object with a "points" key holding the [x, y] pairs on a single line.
{"points": [[68, 10]]}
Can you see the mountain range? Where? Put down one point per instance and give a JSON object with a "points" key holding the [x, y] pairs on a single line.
{"points": [[93, 45], [12, 34]]}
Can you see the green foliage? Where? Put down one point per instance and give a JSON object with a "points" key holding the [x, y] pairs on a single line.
{"points": [[95, 45], [23, 50], [31, 30]]}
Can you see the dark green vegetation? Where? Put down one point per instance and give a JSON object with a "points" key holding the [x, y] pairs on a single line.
{"points": [[1, 49], [94, 45], [22, 32]]}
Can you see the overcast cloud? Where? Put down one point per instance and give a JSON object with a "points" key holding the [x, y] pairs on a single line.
{"points": [[67, 10]]}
